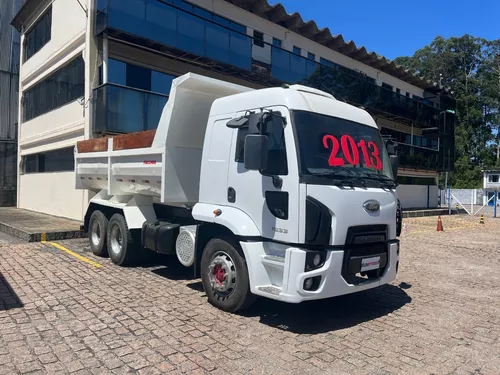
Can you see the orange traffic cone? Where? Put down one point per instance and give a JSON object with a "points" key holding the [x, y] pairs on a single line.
{"points": [[440, 225]]}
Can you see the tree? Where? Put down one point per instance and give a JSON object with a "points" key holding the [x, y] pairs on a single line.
{"points": [[471, 68]]}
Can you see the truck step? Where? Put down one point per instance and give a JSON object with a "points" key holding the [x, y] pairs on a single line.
{"points": [[270, 289], [273, 260]]}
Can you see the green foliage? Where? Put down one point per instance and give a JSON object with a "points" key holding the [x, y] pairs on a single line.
{"points": [[470, 67]]}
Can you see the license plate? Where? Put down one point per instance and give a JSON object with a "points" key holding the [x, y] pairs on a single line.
{"points": [[368, 264]]}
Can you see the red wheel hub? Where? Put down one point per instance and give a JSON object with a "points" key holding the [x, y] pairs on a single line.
{"points": [[219, 274]]}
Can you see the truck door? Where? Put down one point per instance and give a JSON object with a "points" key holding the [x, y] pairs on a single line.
{"points": [[270, 197]]}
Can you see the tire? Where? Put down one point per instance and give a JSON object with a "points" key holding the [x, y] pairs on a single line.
{"points": [[224, 275], [122, 249], [98, 228]]}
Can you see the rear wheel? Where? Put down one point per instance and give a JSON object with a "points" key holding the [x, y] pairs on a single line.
{"points": [[122, 249], [224, 275], [98, 226]]}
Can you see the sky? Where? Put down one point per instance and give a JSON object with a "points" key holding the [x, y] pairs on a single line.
{"points": [[395, 28]]}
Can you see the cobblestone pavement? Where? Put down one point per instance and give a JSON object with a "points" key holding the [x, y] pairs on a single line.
{"points": [[59, 314]]}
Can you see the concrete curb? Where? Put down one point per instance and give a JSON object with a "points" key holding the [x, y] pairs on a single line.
{"points": [[37, 237], [424, 213]]}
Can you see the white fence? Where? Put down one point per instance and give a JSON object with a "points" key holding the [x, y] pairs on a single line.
{"points": [[473, 201]]}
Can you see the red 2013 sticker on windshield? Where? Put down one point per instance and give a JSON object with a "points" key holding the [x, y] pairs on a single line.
{"points": [[351, 151]]}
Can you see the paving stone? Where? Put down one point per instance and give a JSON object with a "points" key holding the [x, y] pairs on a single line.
{"points": [[440, 316]]}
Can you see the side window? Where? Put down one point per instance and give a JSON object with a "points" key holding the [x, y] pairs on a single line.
{"points": [[276, 157], [276, 150], [240, 145]]}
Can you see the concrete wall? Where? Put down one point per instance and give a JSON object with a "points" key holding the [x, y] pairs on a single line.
{"points": [[418, 196], [53, 193]]}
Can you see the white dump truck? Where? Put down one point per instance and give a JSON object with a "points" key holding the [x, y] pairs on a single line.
{"points": [[285, 193]]}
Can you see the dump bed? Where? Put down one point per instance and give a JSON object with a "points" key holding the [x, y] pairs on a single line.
{"points": [[163, 163]]}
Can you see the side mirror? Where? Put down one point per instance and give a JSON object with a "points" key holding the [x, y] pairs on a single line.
{"points": [[392, 147], [255, 155], [395, 165]]}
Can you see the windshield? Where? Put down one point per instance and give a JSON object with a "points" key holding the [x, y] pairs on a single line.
{"points": [[341, 150]]}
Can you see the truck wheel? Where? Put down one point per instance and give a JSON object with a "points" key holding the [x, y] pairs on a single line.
{"points": [[121, 246], [224, 275], [98, 226]]}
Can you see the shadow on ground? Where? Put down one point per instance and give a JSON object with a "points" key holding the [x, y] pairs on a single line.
{"points": [[331, 314], [8, 298]]}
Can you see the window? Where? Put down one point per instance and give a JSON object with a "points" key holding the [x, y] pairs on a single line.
{"points": [[276, 42], [407, 94], [60, 88], [258, 38], [296, 50], [386, 86], [276, 157], [311, 56], [38, 36], [327, 62], [398, 91], [62, 160], [493, 178], [139, 77]]}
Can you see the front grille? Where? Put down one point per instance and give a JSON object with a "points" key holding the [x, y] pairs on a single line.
{"points": [[364, 242]]}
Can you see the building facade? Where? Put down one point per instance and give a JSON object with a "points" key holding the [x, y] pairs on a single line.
{"points": [[491, 185], [92, 68], [9, 86]]}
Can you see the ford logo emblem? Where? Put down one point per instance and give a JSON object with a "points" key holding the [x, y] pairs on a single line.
{"points": [[371, 206]]}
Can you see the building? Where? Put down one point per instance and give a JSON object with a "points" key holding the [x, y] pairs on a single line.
{"points": [[97, 67], [9, 93], [491, 184]]}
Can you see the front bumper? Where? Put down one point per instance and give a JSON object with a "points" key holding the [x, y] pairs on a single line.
{"points": [[277, 271]]}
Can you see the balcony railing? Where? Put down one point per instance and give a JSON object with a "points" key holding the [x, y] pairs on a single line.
{"points": [[208, 36], [419, 158], [119, 109]]}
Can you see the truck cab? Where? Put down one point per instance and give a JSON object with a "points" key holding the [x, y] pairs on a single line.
{"points": [[307, 186], [284, 193]]}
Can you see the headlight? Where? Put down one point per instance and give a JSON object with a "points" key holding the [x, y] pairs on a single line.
{"points": [[314, 260]]}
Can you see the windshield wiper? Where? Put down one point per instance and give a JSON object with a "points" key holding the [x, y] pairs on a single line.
{"points": [[341, 179], [387, 181]]}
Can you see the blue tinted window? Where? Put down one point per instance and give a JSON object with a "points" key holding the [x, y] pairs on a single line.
{"points": [[161, 23], [311, 68], [138, 77], [311, 56], [117, 72], [161, 82], [280, 68], [128, 15], [221, 21], [205, 14], [297, 68], [191, 33], [296, 50], [327, 62], [240, 54], [101, 5], [276, 42], [237, 27], [217, 42], [183, 5]]}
